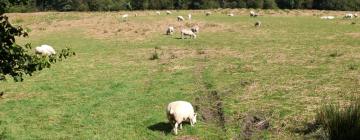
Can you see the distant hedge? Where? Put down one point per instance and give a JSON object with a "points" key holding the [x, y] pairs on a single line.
{"points": [[115, 5]]}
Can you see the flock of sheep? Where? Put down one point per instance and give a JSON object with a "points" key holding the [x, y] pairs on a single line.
{"points": [[195, 29], [347, 16], [179, 111]]}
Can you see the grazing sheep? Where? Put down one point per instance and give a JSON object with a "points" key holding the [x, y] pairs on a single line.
{"points": [[208, 13], [178, 112], [158, 12], [253, 14], [187, 32], [231, 14], [180, 18], [168, 12], [170, 30], [349, 16], [257, 24], [189, 16], [195, 29], [45, 50], [125, 17]]}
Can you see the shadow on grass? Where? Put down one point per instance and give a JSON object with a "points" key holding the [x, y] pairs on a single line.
{"points": [[162, 127]]}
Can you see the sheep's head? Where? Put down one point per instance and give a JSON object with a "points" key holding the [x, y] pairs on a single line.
{"points": [[193, 119]]}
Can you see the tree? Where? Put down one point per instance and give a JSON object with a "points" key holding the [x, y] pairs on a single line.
{"points": [[15, 60]]}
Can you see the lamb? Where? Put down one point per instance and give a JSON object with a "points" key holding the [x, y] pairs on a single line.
{"points": [[168, 12], [195, 29], [253, 14], [257, 24], [180, 18], [178, 112], [157, 12], [170, 30], [125, 17], [189, 16], [187, 32], [208, 13], [45, 50]]}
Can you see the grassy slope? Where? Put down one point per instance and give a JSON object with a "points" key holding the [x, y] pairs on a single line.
{"points": [[110, 90]]}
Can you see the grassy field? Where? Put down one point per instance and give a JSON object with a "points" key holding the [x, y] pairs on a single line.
{"points": [[283, 72]]}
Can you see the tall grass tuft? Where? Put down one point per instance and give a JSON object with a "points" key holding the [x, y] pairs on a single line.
{"points": [[340, 124]]}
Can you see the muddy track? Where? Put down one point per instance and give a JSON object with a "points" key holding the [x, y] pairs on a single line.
{"points": [[208, 102]]}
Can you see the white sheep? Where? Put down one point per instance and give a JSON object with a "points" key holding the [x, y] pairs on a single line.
{"points": [[189, 16], [170, 30], [195, 29], [45, 50], [327, 17], [231, 14], [257, 24], [187, 32], [178, 112], [350, 16], [135, 14], [125, 17], [208, 13], [168, 12], [355, 15], [180, 18], [253, 14], [158, 12]]}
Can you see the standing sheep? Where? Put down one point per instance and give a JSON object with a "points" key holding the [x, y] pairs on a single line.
{"points": [[350, 16], [178, 112], [257, 24], [125, 17], [168, 12], [189, 16], [187, 32], [157, 12], [195, 29], [208, 13], [180, 18], [45, 50], [170, 30], [253, 14]]}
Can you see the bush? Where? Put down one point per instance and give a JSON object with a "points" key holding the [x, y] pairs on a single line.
{"points": [[340, 124], [269, 4], [255, 4]]}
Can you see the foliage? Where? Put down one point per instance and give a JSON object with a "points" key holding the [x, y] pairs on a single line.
{"points": [[15, 60], [340, 124]]}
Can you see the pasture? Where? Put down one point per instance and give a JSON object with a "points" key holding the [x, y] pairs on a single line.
{"points": [[282, 71]]}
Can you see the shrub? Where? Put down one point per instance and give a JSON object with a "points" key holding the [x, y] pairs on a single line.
{"points": [[269, 4], [340, 124]]}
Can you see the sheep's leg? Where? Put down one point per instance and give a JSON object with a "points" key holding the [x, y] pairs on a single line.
{"points": [[175, 128], [180, 126]]}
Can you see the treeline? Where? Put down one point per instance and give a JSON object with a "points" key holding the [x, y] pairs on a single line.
{"points": [[115, 5]]}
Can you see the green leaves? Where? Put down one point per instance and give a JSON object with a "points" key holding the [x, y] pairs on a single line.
{"points": [[15, 60]]}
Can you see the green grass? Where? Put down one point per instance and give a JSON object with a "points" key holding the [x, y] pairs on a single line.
{"points": [[284, 70]]}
